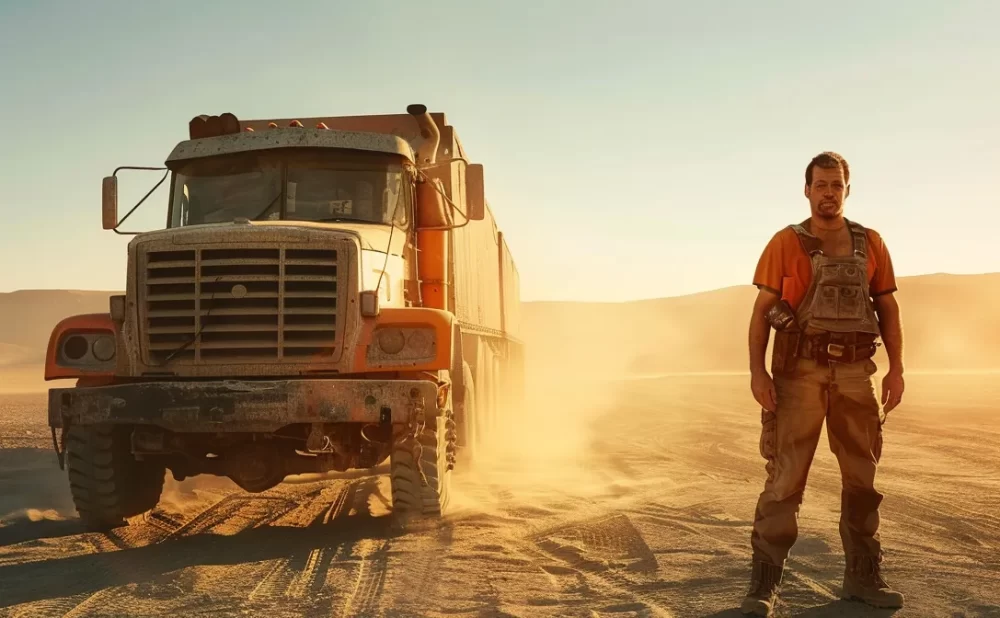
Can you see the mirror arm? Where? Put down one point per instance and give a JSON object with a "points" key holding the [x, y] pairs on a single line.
{"points": [[155, 187], [431, 166], [453, 205], [132, 167]]}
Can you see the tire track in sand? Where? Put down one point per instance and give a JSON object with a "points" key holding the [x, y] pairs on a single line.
{"points": [[607, 554], [371, 554], [233, 513], [294, 576], [364, 599]]}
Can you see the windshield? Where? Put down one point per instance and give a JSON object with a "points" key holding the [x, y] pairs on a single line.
{"points": [[291, 186]]}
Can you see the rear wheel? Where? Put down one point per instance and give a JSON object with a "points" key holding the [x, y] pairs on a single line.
{"points": [[468, 422], [108, 484]]}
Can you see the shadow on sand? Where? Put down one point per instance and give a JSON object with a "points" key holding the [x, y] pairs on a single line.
{"points": [[90, 573], [24, 529], [833, 609]]}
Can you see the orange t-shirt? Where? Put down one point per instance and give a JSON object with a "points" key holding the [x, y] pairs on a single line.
{"points": [[785, 268]]}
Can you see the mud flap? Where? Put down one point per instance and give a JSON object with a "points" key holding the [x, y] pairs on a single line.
{"points": [[60, 448]]}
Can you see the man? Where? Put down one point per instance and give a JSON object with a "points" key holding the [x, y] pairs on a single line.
{"points": [[826, 286]]}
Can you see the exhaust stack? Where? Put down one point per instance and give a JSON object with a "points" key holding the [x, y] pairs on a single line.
{"points": [[427, 151]]}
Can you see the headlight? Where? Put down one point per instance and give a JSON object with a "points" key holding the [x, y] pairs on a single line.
{"points": [[394, 345], [87, 350], [391, 340], [104, 348], [75, 347]]}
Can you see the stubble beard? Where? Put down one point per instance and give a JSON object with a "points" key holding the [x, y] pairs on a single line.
{"points": [[828, 210]]}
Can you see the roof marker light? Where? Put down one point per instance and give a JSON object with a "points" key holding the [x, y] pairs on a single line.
{"points": [[272, 125], [322, 125], [295, 123]]}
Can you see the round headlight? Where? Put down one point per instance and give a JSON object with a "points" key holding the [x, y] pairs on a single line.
{"points": [[391, 340], [104, 348], [75, 347], [421, 340]]}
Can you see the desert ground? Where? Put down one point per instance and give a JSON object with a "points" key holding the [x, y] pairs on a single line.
{"points": [[614, 492]]}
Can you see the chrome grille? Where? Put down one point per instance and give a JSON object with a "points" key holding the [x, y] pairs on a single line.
{"points": [[240, 305]]}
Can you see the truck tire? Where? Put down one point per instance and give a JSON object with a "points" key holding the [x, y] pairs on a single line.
{"points": [[410, 497], [468, 426], [109, 486]]}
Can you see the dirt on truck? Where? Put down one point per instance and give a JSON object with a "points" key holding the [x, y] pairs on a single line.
{"points": [[328, 293]]}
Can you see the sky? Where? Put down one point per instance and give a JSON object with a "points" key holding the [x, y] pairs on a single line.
{"points": [[631, 149]]}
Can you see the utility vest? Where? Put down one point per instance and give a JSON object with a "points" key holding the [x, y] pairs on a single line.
{"points": [[838, 298]]}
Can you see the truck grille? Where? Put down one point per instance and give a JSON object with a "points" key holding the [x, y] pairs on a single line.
{"points": [[240, 305]]}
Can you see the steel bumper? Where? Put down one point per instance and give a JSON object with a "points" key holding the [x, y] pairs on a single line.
{"points": [[242, 405]]}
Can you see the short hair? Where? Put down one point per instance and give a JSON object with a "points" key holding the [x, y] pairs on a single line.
{"points": [[828, 160]]}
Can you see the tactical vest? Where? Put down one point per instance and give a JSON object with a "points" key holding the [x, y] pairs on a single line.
{"points": [[838, 298]]}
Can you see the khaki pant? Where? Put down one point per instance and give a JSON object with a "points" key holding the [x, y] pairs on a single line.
{"points": [[844, 395]]}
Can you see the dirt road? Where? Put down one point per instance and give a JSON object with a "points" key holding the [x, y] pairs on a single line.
{"points": [[641, 508]]}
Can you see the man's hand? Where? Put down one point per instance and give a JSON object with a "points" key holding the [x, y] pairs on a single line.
{"points": [[762, 387], [892, 390]]}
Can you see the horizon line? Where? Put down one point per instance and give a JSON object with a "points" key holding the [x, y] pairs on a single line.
{"points": [[552, 301]]}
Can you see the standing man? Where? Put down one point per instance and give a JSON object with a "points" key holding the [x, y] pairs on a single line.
{"points": [[826, 286]]}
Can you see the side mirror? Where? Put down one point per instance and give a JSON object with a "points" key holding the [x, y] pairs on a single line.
{"points": [[109, 202], [475, 202]]}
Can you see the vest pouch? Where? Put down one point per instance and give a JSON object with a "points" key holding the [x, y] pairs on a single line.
{"points": [[785, 353], [781, 316]]}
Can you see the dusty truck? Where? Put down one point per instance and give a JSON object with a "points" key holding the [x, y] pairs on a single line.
{"points": [[328, 293]]}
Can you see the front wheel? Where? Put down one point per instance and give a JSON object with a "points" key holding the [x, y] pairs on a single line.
{"points": [[108, 484], [428, 457]]}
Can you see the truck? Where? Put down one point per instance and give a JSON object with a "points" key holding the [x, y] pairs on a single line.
{"points": [[326, 294]]}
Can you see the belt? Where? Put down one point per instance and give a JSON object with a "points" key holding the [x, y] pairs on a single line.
{"points": [[840, 347]]}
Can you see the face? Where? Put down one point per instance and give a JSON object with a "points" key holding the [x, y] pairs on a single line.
{"points": [[827, 192]]}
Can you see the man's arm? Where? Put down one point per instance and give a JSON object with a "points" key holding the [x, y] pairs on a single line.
{"points": [[891, 327], [883, 286], [760, 329], [892, 334], [761, 384]]}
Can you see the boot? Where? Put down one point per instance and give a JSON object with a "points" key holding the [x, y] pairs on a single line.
{"points": [[763, 593], [863, 582]]}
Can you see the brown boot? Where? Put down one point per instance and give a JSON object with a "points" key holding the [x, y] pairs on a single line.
{"points": [[863, 582], [764, 581]]}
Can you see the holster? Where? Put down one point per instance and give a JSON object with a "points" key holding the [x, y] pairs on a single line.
{"points": [[785, 353]]}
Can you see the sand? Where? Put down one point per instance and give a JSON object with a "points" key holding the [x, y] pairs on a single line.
{"points": [[625, 487], [640, 506]]}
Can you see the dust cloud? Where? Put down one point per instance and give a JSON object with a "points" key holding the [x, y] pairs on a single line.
{"points": [[539, 447]]}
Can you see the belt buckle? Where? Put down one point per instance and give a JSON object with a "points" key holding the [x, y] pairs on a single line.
{"points": [[835, 349]]}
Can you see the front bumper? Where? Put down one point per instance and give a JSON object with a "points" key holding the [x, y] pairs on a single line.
{"points": [[242, 405]]}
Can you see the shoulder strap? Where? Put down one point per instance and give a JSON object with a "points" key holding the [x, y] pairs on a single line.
{"points": [[859, 237], [810, 244]]}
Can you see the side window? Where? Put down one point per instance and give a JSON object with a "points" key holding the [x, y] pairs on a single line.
{"points": [[185, 206], [395, 200], [180, 210]]}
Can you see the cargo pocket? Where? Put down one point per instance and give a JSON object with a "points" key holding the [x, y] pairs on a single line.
{"points": [[768, 438], [768, 422]]}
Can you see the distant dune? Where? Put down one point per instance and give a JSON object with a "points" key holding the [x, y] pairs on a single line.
{"points": [[950, 323], [28, 316], [11, 354]]}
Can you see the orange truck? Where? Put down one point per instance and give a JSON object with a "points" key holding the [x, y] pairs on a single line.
{"points": [[328, 293]]}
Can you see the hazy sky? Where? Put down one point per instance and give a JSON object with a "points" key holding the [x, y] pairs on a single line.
{"points": [[632, 149]]}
